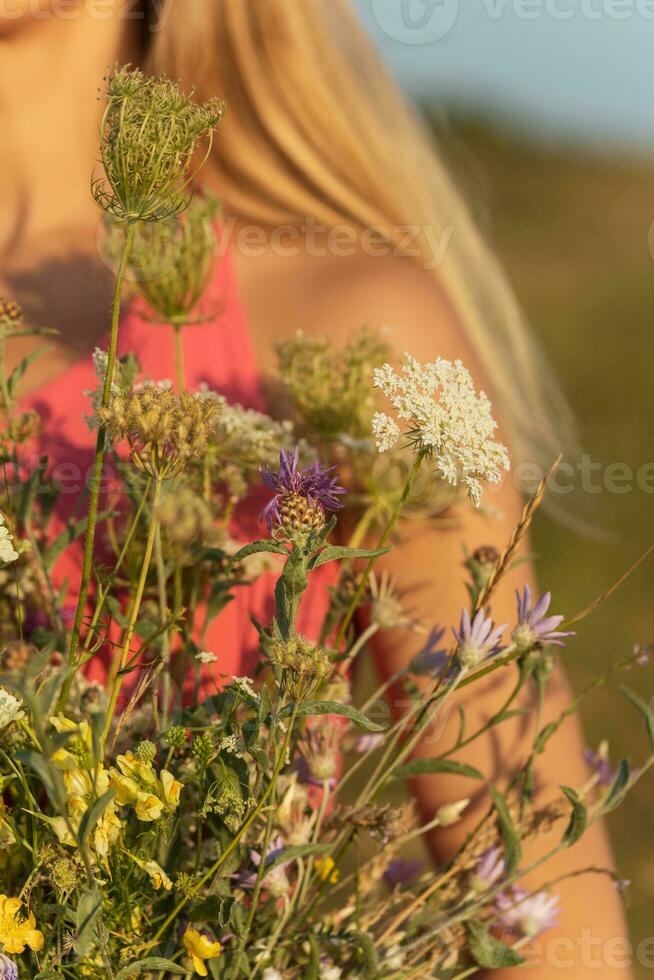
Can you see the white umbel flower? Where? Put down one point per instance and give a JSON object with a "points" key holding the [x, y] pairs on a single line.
{"points": [[446, 420], [11, 709], [7, 551], [205, 657]]}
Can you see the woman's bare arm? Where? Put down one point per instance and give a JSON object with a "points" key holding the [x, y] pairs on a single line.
{"points": [[591, 938]]}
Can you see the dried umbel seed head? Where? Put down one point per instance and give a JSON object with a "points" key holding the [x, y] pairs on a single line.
{"points": [[10, 312], [172, 261], [184, 518], [305, 664], [150, 132], [165, 429], [16, 656], [331, 391]]}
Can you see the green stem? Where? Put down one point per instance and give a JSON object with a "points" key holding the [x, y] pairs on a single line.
{"points": [[96, 479], [215, 867], [388, 530], [180, 372], [136, 606]]}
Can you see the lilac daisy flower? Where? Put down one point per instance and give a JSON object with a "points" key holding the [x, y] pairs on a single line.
{"points": [[477, 639], [533, 626], [600, 763], [527, 914], [274, 881], [433, 659], [313, 484], [488, 870]]}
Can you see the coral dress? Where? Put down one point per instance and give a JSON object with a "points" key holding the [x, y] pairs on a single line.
{"points": [[218, 352]]}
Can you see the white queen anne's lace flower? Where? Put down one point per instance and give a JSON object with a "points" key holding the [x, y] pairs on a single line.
{"points": [[445, 419], [7, 551], [11, 709]]}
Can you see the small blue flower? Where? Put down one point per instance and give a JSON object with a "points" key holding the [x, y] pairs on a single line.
{"points": [[315, 483]]}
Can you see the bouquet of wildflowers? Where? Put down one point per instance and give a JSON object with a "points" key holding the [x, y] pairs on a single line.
{"points": [[214, 834]]}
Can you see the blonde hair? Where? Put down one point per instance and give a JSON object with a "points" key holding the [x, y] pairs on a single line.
{"points": [[316, 128]]}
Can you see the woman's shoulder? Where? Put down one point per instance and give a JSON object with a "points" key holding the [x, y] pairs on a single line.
{"points": [[334, 295]]}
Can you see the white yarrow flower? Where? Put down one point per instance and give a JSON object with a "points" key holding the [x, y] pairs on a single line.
{"points": [[445, 419], [271, 974], [11, 709], [7, 551], [204, 657]]}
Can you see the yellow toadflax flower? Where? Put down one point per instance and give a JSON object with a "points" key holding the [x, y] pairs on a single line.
{"points": [[326, 870], [17, 930], [200, 949], [137, 784]]}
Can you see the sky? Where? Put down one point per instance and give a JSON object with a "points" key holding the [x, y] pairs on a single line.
{"points": [[579, 70]]}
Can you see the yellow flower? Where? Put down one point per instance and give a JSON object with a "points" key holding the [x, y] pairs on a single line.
{"points": [[16, 930], [326, 870], [137, 784], [157, 874], [200, 949]]}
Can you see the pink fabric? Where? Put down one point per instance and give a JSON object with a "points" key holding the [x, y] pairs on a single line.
{"points": [[218, 352]]}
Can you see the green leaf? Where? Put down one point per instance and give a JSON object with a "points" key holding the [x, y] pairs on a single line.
{"points": [[214, 909], [22, 367], [150, 965], [510, 835], [578, 819], [617, 791], [645, 711], [93, 814], [487, 951], [423, 767], [365, 943], [89, 908], [298, 851], [337, 553], [256, 548], [309, 708]]}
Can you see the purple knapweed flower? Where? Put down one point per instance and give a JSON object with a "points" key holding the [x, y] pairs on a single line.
{"points": [[402, 872], [314, 483], [527, 914], [489, 869], [477, 639], [8, 968], [533, 626]]}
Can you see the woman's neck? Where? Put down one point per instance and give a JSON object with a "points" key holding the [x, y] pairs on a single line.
{"points": [[50, 72]]}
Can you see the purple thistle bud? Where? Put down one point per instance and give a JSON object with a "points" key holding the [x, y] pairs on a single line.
{"points": [[8, 968], [477, 639], [314, 483], [526, 914], [533, 626]]}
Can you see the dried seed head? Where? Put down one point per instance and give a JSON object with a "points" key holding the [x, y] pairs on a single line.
{"points": [[165, 429], [185, 517], [150, 132], [10, 312], [305, 664]]}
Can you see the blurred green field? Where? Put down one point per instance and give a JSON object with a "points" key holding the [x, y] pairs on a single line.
{"points": [[572, 231]]}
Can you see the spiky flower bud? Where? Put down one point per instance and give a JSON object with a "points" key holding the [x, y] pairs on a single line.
{"points": [[298, 518], [204, 749], [481, 564], [146, 751], [150, 132], [176, 737]]}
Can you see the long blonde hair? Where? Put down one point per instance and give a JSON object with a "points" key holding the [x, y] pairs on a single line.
{"points": [[316, 128]]}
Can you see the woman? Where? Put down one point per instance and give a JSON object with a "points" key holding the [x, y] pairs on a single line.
{"points": [[316, 139]]}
